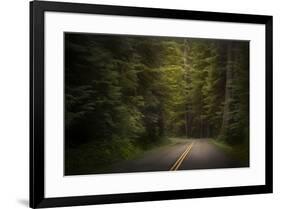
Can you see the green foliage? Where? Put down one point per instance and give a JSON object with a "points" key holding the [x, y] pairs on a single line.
{"points": [[240, 151], [126, 93], [93, 157]]}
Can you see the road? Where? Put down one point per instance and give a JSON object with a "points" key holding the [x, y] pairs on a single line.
{"points": [[181, 155]]}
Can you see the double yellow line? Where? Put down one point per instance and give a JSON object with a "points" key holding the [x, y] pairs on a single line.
{"points": [[181, 158]]}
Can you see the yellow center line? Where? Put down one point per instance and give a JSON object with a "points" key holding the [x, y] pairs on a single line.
{"points": [[184, 157], [175, 164], [181, 158]]}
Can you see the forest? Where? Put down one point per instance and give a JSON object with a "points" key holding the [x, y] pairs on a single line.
{"points": [[125, 94]]}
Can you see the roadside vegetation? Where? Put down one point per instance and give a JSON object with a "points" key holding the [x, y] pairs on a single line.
{"points": [[239, 152], [128, 94]]}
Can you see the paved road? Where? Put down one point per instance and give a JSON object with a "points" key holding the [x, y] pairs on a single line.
{"points": [[206, 155], [181, 155]]}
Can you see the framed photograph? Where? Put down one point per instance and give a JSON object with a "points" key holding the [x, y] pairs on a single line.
{"points": [[135, 104]]}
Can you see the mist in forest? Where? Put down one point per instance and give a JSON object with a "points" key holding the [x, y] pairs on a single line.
{"points": [[128, 94]]}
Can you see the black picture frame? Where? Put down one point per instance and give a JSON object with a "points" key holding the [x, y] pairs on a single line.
{"points": [[37, 196]]}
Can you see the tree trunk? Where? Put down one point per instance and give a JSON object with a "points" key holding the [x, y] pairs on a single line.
{"points": [[185, 68], [161, 123], [228, 89]]}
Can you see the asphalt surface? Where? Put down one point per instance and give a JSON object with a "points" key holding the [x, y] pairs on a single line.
{"points": [[181, 155]]}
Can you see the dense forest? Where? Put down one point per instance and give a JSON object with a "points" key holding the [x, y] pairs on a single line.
{"points": [[127, 93]]}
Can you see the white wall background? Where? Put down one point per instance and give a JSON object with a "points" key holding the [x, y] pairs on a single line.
{"points": [[14, 102]]}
